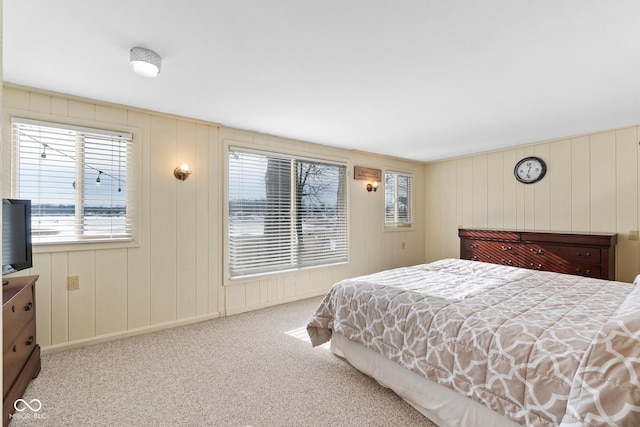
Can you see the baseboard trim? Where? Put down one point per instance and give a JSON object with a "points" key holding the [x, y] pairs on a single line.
{"points": [[56, 348], [239, 310], [71, 345]]}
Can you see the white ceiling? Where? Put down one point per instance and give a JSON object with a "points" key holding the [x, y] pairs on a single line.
{"points": [[418, 79]]}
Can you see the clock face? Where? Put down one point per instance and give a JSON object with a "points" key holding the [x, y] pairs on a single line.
{"points": [[530, 170]]}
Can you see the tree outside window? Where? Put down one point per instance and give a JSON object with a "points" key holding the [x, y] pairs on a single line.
{"points": [[284, 212]]}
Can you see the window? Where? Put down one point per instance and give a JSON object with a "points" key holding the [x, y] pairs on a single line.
{"points": [[76, 179], [398, 199], [284, 212]]}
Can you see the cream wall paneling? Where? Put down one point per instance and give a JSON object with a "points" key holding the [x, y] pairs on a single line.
{"points": [[139, 260], [173, 274], [627, 184], [560, 201], [580, 183], [164, 221], [170, 276], [592, 185]]}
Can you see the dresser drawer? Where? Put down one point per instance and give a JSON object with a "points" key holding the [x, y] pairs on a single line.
{"points": [[587, 270], [580, 255], [505, 253], [574, 254], [16, 314], [559, 266], [16, 355], [585, 254]]}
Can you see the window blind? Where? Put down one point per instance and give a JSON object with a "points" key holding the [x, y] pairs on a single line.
{"points": [[76, 179], [284, 212], [398, 199]]}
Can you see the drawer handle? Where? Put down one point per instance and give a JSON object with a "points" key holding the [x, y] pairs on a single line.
{"points": [[13, 308], [538, 251], [507, 262], [30, 340], [473, 245], [474, 258], [539, 266], [29, 306], [587, 272], [14, 348], [506, 248], [581, 255]]}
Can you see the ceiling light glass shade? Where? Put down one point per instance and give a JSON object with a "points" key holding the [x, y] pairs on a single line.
{"points": [[145, 62]]}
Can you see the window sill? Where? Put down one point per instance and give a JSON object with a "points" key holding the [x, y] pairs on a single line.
{"points": [[42, 248], [236, 280], [391, 228]]}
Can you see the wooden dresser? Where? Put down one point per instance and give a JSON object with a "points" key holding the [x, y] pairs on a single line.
{"points": [[585, 254], [20, 353]]}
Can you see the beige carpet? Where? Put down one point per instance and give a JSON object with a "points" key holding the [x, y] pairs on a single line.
{"points": [[252, 369]]}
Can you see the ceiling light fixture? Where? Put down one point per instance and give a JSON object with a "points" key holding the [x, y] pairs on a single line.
{"points": [[145, 62]]}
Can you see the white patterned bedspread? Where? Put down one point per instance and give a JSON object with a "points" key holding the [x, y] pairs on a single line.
{"points": [[540, 348]]}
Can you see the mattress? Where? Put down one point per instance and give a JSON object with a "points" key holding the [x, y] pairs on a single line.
{"points": [[440, 404], [538, 348]]}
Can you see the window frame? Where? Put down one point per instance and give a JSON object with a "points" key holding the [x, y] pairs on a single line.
{"points": [[399, 225], [229, 145], [132, 156]]}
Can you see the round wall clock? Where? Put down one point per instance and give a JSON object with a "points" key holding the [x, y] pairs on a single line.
{"points": [[530, 170]]}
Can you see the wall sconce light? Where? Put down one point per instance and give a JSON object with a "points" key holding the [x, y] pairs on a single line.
{"points": [[182, 172], [145, 62], [372, 176]]}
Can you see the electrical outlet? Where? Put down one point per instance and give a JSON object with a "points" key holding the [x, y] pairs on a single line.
{"points": [[73, 283]]}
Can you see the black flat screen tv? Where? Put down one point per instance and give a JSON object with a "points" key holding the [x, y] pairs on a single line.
{"points": [[16, 236]]}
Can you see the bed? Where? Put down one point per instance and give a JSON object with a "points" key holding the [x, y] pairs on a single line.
{"points": [[471, 343]]}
